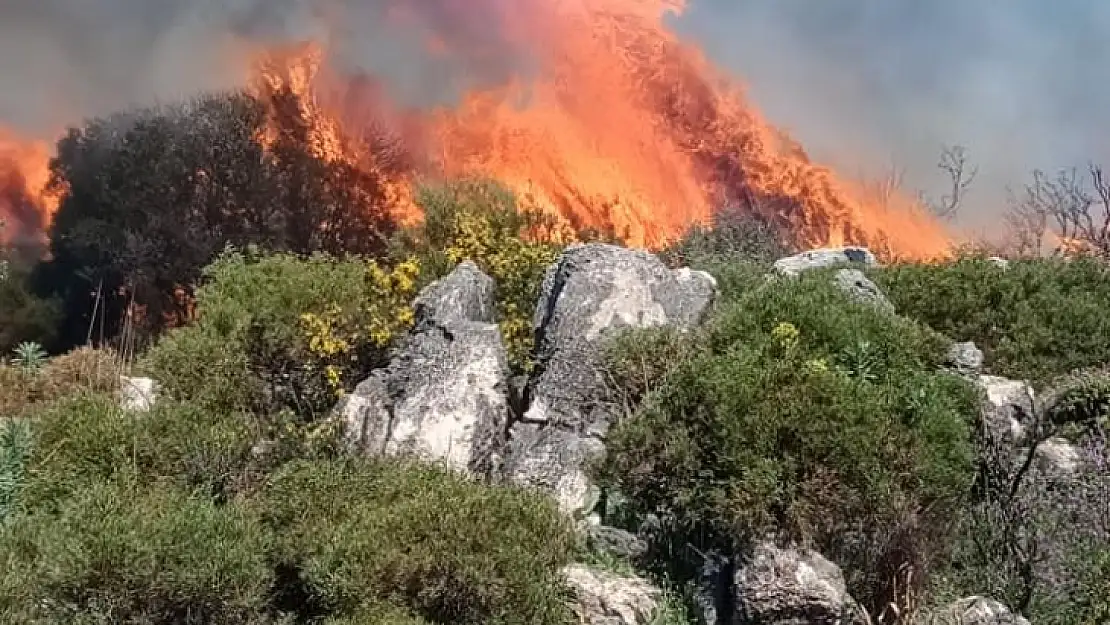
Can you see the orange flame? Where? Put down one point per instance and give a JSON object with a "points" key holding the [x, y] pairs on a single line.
{"points": [[26, 206], [622, 126]]}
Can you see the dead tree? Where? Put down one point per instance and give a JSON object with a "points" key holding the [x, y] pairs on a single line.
{"points": [[953, 162], [1075, 210]]}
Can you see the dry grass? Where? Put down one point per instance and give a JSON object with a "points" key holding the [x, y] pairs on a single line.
{"points": [[84, 369]]}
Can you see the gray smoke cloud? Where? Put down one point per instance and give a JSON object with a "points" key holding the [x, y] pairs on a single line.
{"points": [[862, 83], [869, 83]]}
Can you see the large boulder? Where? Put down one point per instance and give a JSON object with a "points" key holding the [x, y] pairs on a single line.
{"points": [[776, 586], [444, 397], [589, 292], [604, 598], [824, 257]]}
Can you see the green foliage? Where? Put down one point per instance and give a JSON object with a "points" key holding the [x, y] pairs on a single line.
{"points": [[151, 196], [1036, 320], [439, 545], [23, 315], [183, 444], [803, 414], [15, 453], [118, 553], [481, 221], [1080, 400], [281, 332]]}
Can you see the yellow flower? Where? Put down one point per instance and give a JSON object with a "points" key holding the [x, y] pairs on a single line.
{"points": [[785, 334]]}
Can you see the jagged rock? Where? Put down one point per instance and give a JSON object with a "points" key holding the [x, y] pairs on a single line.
{"points": [[860, 288], [554, 460], [965, 357], [1008, 407], [137, 394], [977, 611], [792, 587], [604, 598], [824, 257], [616, 542], [444, 397], [712, 597], [590, 291]]}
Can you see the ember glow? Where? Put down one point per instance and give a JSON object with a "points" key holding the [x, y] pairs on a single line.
{"points": [[25, 205]]}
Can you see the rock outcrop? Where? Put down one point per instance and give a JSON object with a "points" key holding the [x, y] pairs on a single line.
{"points": [[604, 598], [591, 291], [776, 586], [444, 397], [824, 257], [965, 358]]}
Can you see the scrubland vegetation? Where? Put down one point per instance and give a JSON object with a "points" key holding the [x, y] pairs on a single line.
{"points": [[794, 412]]}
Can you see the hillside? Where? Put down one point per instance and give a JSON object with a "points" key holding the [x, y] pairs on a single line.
{"points": [[478, 425]]}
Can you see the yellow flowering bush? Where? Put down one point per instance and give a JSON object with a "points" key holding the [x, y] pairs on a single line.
{"points": [[291, 332]]}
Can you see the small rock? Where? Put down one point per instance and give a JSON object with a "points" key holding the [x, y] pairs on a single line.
{"points": [[999, 262], [604, 598], [965, 357], [1058, 458], [138, 394], [792, 587], [615, 542], [979, 611], [824, 257], [860, 288]]}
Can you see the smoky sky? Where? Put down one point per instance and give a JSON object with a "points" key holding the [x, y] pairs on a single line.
{"points": [[862, 83]]}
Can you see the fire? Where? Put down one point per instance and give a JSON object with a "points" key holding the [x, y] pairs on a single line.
{"points": [[26, 206], [618, 125]]}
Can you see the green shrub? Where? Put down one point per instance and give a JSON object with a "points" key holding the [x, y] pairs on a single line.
{"points": [[119, 553], [86, 438], [445, 548], [15, 454], [803, 414], [279, 332], [1035, 320], [23, 315], [1079, 401]]}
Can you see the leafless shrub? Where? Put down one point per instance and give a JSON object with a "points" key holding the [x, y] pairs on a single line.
{"points": [[1069, 211]]}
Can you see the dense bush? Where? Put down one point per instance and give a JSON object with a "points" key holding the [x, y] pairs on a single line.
{"points": [[801, 414], [447, 549], [1035, 320], [116, 552], [151, 196], [195, 448], [281, 332], [23, 315]]}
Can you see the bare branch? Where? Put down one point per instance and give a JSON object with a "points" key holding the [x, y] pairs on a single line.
{"points": [[953, 162]]}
